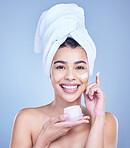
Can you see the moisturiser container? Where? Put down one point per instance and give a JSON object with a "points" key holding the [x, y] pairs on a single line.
{"points": [[74, 112]]}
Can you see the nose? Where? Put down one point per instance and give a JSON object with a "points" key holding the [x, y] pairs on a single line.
{"points": [[70, 75]]}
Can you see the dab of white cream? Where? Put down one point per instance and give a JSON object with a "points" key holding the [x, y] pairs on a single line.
{"points": [[85, 75]]}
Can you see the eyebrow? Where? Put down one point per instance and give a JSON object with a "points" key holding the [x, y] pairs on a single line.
{"points": [[78, 62], [63, 62]]}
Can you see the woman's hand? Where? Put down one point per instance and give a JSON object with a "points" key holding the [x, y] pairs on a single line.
{"points": [[95, 98], [57, 127]]}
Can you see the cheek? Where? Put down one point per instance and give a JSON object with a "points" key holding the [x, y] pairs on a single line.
{"points": [[84, 78], [56, 76]]}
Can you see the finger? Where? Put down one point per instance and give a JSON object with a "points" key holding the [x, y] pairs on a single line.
{"points": [[90, 86], [71, 124], [86, 117], [94, 90], [98, 79], [60, 118]]}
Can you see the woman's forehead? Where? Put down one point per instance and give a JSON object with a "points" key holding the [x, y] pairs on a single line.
{"points": [[68, 53]]}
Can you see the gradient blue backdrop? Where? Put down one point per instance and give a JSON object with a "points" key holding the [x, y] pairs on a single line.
{"points": [[22, 81]]}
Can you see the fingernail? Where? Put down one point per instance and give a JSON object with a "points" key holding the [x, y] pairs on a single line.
{"points": [[98, 74], [86, 121], [66, 116], [87, 91], [88, 117], [91, 97]]}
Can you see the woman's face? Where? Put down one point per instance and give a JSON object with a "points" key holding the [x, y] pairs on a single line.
{"points": [[69, 72]]}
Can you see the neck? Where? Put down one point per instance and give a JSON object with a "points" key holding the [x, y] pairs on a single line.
{"points": [[59, 104]]}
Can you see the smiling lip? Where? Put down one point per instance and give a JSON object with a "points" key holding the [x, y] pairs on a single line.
{"points": [[69, 88]]}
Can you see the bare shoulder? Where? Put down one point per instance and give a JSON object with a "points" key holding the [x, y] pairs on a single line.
{"points": [[110, 116], [111, 130], [30, 115], [111, 121], [24, 117], [26, 121], [27, 113]]}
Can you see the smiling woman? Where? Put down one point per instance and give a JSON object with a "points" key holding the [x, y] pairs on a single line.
{"points": [[68, 59], [66, 73]]}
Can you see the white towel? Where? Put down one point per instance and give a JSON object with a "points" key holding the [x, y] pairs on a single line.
{"points": [[55, 25]]}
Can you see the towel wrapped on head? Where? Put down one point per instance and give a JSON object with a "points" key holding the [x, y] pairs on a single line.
{"points": [[54, 26]]}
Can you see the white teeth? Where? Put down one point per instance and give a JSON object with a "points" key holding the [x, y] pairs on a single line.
{"points": [[70, 87]]}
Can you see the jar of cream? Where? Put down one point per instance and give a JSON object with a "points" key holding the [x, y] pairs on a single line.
{"points": [[74, 112]]}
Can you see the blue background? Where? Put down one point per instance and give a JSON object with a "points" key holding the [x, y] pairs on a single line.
{"points": [[22, 81]]}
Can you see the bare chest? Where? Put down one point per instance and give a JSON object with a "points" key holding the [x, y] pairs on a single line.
{"points": [[76, 138]]}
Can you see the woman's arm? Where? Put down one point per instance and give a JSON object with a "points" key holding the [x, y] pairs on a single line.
{"points": [[55, 128], [104, 126], [21, 135], [111, 131], [103, 133], [96, 135]]}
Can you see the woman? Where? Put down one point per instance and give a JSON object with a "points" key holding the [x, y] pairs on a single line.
{"points": [[68, 59]]}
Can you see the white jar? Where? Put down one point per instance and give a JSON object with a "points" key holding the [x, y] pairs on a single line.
{"points": [[74, 112]]}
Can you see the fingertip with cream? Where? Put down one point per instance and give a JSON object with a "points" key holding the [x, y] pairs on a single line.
{"points": [[98, 74]]}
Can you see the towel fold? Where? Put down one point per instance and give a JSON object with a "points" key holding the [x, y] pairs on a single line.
{"points": [[54, 26]]}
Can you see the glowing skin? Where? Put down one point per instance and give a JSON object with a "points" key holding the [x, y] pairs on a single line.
{"points": [[84, 76]]}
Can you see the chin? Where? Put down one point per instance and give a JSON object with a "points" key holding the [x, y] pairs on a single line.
{"points": [[70, 98]]}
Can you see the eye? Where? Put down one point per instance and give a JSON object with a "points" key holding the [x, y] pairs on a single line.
{"points": [[80, 67], [60, 67]]}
